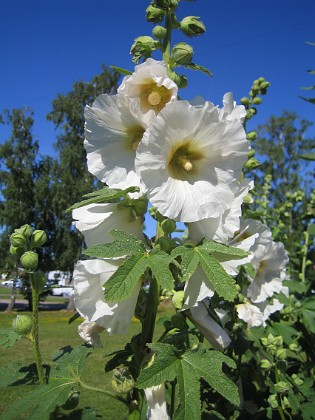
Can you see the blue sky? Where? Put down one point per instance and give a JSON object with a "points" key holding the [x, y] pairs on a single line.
{"points": [[47, 45]]}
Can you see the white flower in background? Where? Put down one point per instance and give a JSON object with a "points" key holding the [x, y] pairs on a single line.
{"points": [[89, 278], [230, 110], [156, 399], [151, 85], [249, 313], [94, 221], [223, 227], [114, 126], [89, 332], [190, 161], [196, 289], [270, 262], [212, 331]]}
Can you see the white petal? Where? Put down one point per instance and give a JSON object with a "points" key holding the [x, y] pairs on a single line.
{"points": [[156, 399], [250, 314], [89, 332], [89, 278]]}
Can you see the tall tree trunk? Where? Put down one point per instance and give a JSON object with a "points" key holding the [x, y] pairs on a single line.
{"points": [[11, 303]]}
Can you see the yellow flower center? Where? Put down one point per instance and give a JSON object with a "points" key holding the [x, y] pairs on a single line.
{"points": [[261, 267], [184, 160], [134, 136], [153, 96]]}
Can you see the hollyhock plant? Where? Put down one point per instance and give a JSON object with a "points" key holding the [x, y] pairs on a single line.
{"points": [[150, 85], [190, 161], [114, 126], [90, 278]]}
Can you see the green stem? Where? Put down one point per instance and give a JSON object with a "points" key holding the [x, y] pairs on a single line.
{"points": [[150, 315], [167, 41], [304, 259], [103, 391], [280, 409], [35, 336]]}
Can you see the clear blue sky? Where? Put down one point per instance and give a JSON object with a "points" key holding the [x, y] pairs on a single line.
{"points": [[47, 45]]}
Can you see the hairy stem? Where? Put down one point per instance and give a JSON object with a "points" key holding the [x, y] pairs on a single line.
{"points": [[35, 336], [103, 391]]}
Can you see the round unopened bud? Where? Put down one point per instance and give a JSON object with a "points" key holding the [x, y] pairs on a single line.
{"points": [[282, 387], [16, 250], [26, 230], [122, 380], [140, 206], [257, 100], [154, 14], [245, 101], [178, 299], [159, 32], [273, 401], [178, 321], [22, 324], [39, 237], [29, 260], [265, 364], [18, 239], [252, 163], [165, 244], [192, 26], [182, 53], [168, 226], [252, 135]]}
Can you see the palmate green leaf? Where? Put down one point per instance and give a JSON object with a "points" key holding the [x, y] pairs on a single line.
{"points": [[188, 368], [125, 278], [104, 195], [123, 245], [8, 337], [159, 262], [216, 248], [64, 377], [17, 374], [206, 255]]}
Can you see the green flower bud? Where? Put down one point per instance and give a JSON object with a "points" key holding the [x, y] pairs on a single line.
{"points": [[122, 380], [26, 230], [255, 89], [154, 14], [192, 26], [39, 237], [245, 101], [179, 79], [294, 347], [182, 53], [261, 79], [257, 100], [264, 85], [140, 206], [18, 239], [22, 324], [159, 32], [265, 364], [273, 401], [16, 250], [178, 299], [143, 47], [29, 260], [171, 4], [178, 321], [282, 387], [252, 163], [297, 380], [252, 135], [165, 244], [168, 226]]}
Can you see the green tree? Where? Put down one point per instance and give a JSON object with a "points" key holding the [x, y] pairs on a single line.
{"points": [[71, 178]]}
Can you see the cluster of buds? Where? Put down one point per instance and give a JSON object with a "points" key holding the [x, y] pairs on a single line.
{"points": [[163, 12], [22, 243], [258, 88], [122, 380], [274, 346]]}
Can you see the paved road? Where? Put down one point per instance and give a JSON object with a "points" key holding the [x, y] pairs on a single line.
{"points": [[22, 304]]}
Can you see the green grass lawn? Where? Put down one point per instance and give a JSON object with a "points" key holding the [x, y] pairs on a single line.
{"points": [[55, 333]]}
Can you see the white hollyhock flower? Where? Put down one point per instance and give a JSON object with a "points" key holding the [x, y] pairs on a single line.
{"points": [[190, 161], [196, 289], [222, 228], [157, 409], [94, 221], [251, 314], [114, 126], [89, 332], [230, 110], [270, 262], [212, 331], [89, 278], [151, 85]]}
